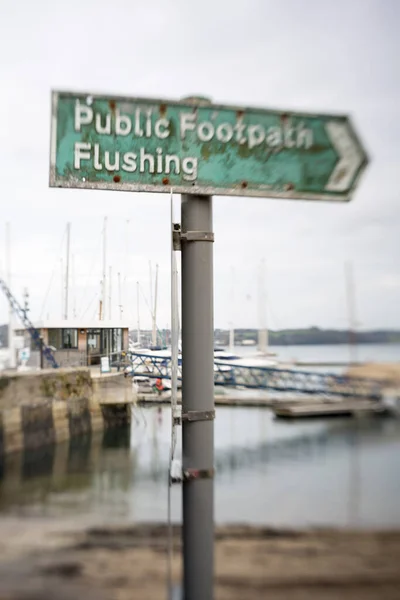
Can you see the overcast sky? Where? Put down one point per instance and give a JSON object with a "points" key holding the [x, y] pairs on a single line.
{"points": [[312, 55]]}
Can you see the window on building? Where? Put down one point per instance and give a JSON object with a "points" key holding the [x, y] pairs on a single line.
{"points": [[116, 340], [69, 339], [105, 341], [55, 338], [93, 341], [63, 339]]}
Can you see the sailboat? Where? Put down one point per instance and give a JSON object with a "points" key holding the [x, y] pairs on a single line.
{"points": [[263, 357]]}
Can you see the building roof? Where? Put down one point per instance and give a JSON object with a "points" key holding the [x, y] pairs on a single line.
{"points": [[80, 324]]}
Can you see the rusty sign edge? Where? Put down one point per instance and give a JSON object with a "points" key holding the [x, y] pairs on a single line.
{"points": [[197, 190], [212, 105]]}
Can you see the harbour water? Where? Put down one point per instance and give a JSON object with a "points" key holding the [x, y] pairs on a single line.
{"points": [[339, 472]]}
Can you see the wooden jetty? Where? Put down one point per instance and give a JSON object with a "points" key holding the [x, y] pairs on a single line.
{"points": [[219, 400], [342, 408], [293, 408]]}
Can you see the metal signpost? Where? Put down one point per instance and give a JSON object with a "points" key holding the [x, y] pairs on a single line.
{"points": [[199, 149]]}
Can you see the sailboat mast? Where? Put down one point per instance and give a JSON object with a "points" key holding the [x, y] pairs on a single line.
{"points": [[62, 288], [101, 302], [104, 286], [11, 349], [119, 297], [110, 293], [138, 312], [154, 339], [73, 285], [351, 309], [151, 288], [231, 325], [263, 331], [66, 295], [126, 261]]}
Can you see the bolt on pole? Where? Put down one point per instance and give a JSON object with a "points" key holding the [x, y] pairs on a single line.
{"points": [[197, 397]]}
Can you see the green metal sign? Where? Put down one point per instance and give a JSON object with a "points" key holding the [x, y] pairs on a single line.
{"points": [[113, 143]]}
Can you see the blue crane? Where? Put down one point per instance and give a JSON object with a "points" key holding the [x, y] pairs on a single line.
{"points": [[33, 332]]}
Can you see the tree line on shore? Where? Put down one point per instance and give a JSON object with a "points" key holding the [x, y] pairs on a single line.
{"points": [[312, 335], [283, 337]]}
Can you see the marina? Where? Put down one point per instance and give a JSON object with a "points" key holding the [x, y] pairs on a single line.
{"points": [[199, 377]]}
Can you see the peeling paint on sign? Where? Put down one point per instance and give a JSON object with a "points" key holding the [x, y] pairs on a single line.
{"points": [[102, 142]]}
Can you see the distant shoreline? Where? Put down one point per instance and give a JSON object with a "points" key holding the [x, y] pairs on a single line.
{"points": [[312, 336]]}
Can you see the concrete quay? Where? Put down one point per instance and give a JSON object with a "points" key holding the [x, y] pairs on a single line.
{"points": [[53, 405]]}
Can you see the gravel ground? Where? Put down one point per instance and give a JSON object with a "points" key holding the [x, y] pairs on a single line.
{"points": [[45, 563]]}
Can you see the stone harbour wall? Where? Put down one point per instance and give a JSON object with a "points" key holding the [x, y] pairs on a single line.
{"points": [[42, 408]]}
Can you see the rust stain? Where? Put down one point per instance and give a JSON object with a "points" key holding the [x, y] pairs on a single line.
{"points": [[165, 181], [116, 178], [163, 109], [239, 113], [244, 184], [340, 174], [284, 117], [112, 105], [205, 151], [289, 187]]}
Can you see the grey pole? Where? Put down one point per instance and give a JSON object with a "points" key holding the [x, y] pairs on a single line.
{"points": [[197, 397], [41, 353]]}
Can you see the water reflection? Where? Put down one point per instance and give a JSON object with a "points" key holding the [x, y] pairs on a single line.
{"points": [[341, 472]]}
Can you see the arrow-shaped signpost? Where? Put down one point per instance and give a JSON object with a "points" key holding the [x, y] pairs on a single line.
{"points": [[199, 149], [102, 142], [351, 158]]}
